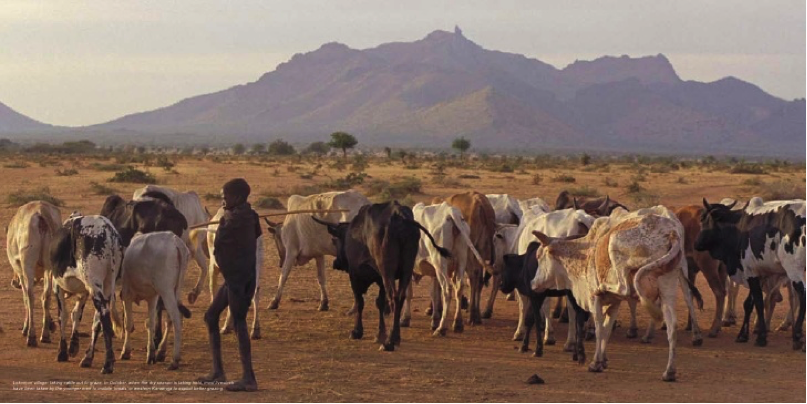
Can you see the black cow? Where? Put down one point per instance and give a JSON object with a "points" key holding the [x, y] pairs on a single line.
{"points": [[379, 246], [758, 241], [602, 206], [519, 271]]}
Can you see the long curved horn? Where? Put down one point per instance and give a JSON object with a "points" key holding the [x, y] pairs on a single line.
{"points": [[706, 204], [323, 222], [574, 203]]}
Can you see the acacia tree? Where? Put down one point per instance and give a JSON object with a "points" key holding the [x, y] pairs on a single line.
{"points": [[342, 140], [281, 148], [461, 144]]}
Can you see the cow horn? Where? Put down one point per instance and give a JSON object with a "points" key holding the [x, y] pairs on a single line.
{"points": [[705, 204], [269, 222], [735, 202], [748, 202], [574, 203], [543, 238], [323, 222], [603, 209]]}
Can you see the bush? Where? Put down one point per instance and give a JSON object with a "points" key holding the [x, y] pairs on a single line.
{"points": [[107, 167], [21, 197], [468, 177], [609, 182], [643, 199], [101, 189], [563, 178], [781, 190], [165, 163], [585, 190], [634, 188], [133, 175], [66, 172], [305, 190], [743, 168], [268, 203], [349, 181], [682, 180], [536, 179], [754, 182], [395, 190], [281, 148], [16, 164]]}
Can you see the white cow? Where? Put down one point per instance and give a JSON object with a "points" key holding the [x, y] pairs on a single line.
{"points": [[300, 239], [618, 215], [449, 230], [28, 240], [86, 254], [638, 256], [189, 204], [508, 211], [510, 240], [214, 271], [533, 207], [154, 268]]}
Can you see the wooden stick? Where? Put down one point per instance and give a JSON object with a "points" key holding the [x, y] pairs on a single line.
{"points": [[291, 212]]}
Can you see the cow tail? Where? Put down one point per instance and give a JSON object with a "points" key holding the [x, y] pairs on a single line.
{"points": [[645, 280], [443, 252], [696, 294], [117, 321], [183, 257]]}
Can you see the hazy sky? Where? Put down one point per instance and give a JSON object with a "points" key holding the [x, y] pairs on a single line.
{"points": [[83, 62]]}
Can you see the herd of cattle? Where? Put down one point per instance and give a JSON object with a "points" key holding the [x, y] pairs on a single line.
{"points": [[592, 253]]}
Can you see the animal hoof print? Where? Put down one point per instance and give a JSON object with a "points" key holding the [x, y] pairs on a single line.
{"points": [[86, 362], [632, 333], [323, 306], [697, 342], [273, 305]]}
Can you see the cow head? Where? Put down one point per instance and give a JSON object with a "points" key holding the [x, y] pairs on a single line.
{"points": [[718, 228], [513, 265], [276, 230], [63, 247], [339, 232], [548, 266], [501, 240]]}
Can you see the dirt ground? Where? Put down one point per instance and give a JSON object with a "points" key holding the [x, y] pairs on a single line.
{"points": [[305, 355]]}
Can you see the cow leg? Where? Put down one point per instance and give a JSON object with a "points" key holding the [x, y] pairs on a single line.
{"points": [[547, 325], [380, 304], [697, 336], [158, 330], [163, 345], [556, 312], [794, 308], [47, 322], [323, 290], [538, 319], [399, 296], [76, 316], [716, 282], [748, 306], [435, 297], [730, 313], [475, 317], [580, 317], [175, 318], [668, 296], [62, 355], [227, 328], [571, 330], [529, 322], [523, 306], [284, 276], [205, 269], [607, 329], [406, 314], [151, 354], [494, 290], [28, 329], [458, 287], [797, 325], [358, 302], [633, 329], [90, 353], [128, 328], [256, 324], [599, 317], [756, 291]]}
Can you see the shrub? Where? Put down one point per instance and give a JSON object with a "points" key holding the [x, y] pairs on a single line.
{"points": [[22, 197], [395, 190], [107, 167], [66, 172], [101, 189], [754, 182], [281, 148], [307, 189], [131, 174], [634, 188], [536, 179], [744, 168], [165, 163], [16, 164], [468, 177], [682, 180], [265, 202], [781, 190], [585, 190], [349, 181], [563, 178], [609, 182], [643, 199]]}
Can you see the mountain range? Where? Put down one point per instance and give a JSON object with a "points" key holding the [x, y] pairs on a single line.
{"points": [[427, 92]]}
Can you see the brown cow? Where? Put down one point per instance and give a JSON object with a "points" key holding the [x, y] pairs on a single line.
{"points": [[714, 272], [602, 206], [478, 213]]}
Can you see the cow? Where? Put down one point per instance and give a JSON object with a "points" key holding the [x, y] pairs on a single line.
{"points": [[699, 261], [87, 251], [299, 239], [517, 273], [379, 246], [142, 216], [533, 207], [479, 214], [154, 268], [639, 256], [189, 204], [597, 207], [214, 270], [515, 240], [450, 230], [28, 238], [687, 287], [758, 244], [508, 211]]}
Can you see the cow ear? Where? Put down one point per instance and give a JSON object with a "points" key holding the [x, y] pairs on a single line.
{"points": [[543, 238], [575, 204], [705, 204]]}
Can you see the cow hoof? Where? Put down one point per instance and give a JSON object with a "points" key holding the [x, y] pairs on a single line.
{"points": [[523, 349], [404, 322], [596, 367], [581, 359], [713, 333], [439, 333], [150, 360], [464, 303], [274, 304], [550, 341], [697, 342], [761, 342], [518, 336], [126, 355], [45, 339], [590, 336], [538, 354], [356, 334], [511, 298], [783, 327], [107, 369], [173, 366], [387, 347], [73, 349], [62, 357], [487, 314], [646, 340], [741, 338], [564, 318], [224, 330], [31, 342], [459, 326], [161, 356], [429, 311], [568, 347], [192, 296], [632, 333], [256, 333], [86, 362], [797, 345], [668, 376], [323, 306], [729, 322]]}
